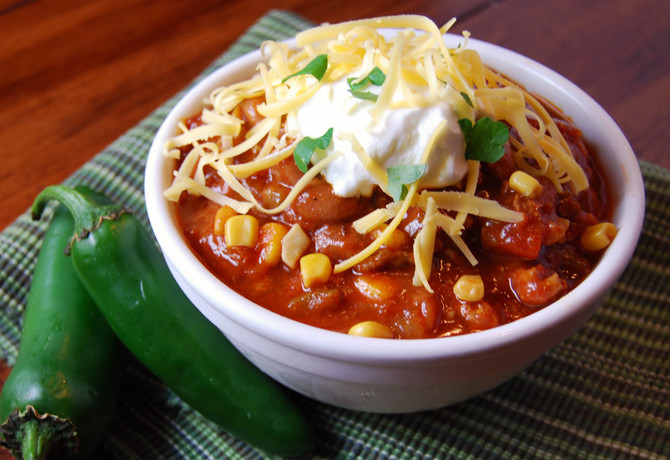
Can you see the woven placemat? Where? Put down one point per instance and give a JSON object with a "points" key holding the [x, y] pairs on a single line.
{"points": [[604, 393]]}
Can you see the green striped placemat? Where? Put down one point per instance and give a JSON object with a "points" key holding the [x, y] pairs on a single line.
{"points": [[604, 393]]}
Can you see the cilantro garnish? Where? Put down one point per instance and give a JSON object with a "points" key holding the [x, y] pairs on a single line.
{"points": [[467, 99], [401, 176], [485, 141], [375, 77], [316, 68], [307, 146]]}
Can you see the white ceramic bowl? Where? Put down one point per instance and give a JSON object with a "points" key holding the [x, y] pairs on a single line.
{"points": [[389, 376]]}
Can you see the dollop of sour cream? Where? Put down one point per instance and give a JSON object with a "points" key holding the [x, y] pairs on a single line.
{"points": [[397, 137]]}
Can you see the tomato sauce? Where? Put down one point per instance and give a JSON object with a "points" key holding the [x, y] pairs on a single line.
{"points": [[524, 266]]}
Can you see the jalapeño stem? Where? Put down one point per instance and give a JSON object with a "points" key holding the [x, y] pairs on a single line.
{"points": [[87, 214], [33, 442]]}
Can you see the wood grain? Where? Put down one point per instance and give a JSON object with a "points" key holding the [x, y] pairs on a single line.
{"points": [[76, 75]]}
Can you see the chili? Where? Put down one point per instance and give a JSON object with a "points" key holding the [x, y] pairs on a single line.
{"points": [[524, 265]]}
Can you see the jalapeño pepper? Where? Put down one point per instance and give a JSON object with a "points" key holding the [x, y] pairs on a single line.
{"points": [[58, 399], [130, 282]]}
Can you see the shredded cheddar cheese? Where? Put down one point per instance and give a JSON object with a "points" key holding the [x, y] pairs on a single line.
{"points": [[418, 68], [424, 244]]}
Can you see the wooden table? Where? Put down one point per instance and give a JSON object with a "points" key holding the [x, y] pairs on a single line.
{"points": [[75, 75]]}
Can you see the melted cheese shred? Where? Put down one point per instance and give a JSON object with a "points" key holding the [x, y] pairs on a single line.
{"points": [[409, 197], [382, 238], [470, 204], [230, 179], [424, 246], [418, 67]]}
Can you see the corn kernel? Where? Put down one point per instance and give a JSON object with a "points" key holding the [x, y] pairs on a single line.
{"points": [[371, 329], [222, 215], [314, 269], [469, 288], [376, 287], [269, 239], [241, 230], [525, 184], [598, 236], [293, 245]]}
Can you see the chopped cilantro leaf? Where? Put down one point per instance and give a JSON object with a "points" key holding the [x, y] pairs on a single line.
{"points": [[467, 99], [375, 77], [307, 146], [401, 176], [365, 95], [485, 141], [316, 68]]}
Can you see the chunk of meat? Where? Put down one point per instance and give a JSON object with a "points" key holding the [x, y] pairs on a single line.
{"points": [[479, 316], [537, 286], [249, 110], [570, 264], [577, 209], [540, 226], [318, 205], [419, 317], [386, 260], [338, 241], [314, 302]]}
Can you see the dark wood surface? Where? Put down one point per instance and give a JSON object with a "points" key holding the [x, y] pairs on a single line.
{"points": [[76, 75]]}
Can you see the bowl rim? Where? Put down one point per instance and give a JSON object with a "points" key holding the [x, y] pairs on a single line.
{"points": [[628, 216]]}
